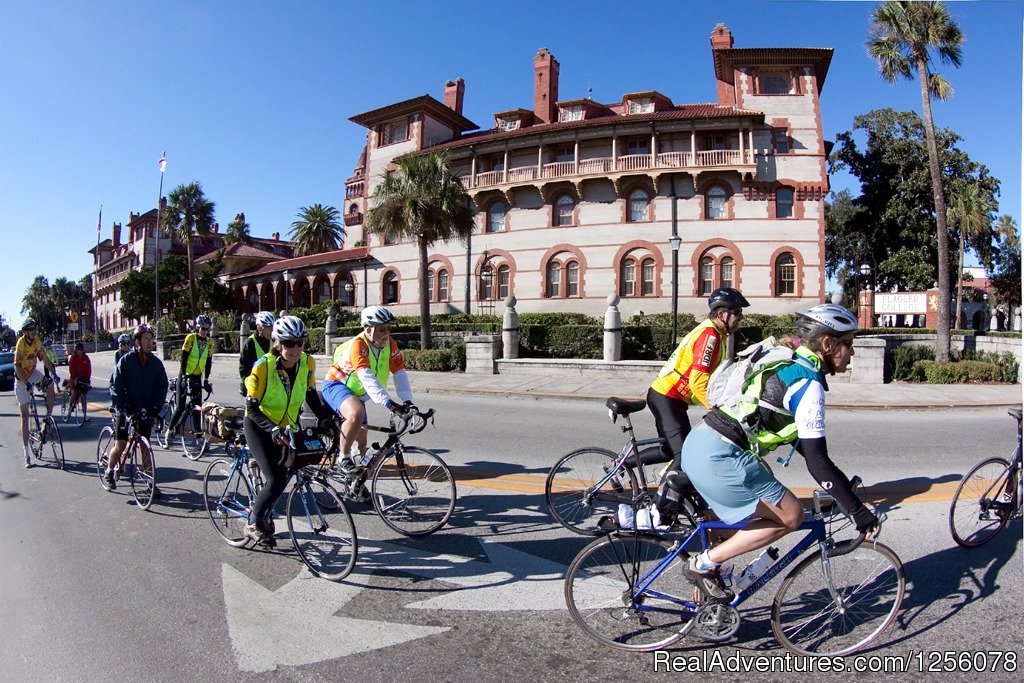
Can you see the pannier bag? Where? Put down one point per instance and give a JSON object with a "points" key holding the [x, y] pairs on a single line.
{"points": [[214, 418], [306, 448]]}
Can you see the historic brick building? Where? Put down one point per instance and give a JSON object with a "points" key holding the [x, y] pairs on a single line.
{"points": [[576, 198]]}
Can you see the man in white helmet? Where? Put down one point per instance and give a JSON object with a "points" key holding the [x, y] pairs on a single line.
{"points": [[255, 345], [360, 373]]}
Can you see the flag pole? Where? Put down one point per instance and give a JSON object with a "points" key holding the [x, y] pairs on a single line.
{"points": [[156, 258], [96, 298]]}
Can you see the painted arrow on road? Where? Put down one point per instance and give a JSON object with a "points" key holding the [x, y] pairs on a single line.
{"points": [[512, 580], [272, 628]]}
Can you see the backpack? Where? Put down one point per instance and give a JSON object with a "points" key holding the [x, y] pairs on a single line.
{"points": [[732, 376]]}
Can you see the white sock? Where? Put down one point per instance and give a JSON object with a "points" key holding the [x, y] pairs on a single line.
{"points": [[704, 562]]}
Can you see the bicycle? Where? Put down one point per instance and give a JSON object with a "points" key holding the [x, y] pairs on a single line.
{"points": [[69, 411], [192, 439], [137, 458], [592, 482], [42, 431], [988, 497], [627, 590], [319, 524], [164, 416], [412, 489]]}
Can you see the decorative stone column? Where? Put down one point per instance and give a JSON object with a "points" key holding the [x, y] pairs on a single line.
{"points": [[612, 330], [244, 330], [482, 350], [330, 331], [866, 308], [510, 329]]}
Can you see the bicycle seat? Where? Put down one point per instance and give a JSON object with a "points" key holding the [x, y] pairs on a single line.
{"points": [[625, 406], [1015, 412], [233, 423]]}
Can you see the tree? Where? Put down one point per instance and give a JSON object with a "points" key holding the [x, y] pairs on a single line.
{"points": [[137, 288], [423, 201], [318, 230], [238, 231], [970, 213], [189, 213], [1003, 268], [39, 306], [904, 35], [891, 224]]}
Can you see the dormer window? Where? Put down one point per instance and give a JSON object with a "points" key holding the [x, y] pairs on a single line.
{"points": [[508, 123], [574, 113], [776, 84], [394, 132], [641, 105]]}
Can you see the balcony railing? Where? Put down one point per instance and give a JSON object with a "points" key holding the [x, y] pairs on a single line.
{"points": [[353, 218], [354, 190], [605, 165]]}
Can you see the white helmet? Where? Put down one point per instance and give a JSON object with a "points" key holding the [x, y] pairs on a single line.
{"points": [[289, 327], [825, 319], [265, 319], [376, 315]]}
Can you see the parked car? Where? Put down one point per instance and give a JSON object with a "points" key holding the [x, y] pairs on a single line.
{"points": [[60, 352], [7, 371]]}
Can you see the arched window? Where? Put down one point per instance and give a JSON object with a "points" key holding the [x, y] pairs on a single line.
{"points": [[785, 274], [254, 300], [776, 84], [716, 198], [390, 288], [784, 203], [442, 284], [572, 279], [639, 204], [430, 286], [553, 279], [707, 275], [504, 280], [496, 217], [727, 267], [627, 278], [486, 283], [354, 208], [565, 207], [325, 290], [647, 277]]}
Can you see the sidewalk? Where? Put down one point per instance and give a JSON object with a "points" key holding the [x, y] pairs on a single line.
{"points": [[577, 384]]}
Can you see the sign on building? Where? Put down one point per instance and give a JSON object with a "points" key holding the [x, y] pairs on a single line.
{"points": [[901, 302]]}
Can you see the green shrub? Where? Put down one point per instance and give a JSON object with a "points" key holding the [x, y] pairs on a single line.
{"points": [[904, 359], [451, 358], [1006, 361], [315, 343], [561, 341], [556, 319], [227, 342], [968, 371]]}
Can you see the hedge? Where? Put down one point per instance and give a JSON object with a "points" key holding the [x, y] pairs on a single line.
{"points": [[450, 358], [905, 358], [967, 371]]}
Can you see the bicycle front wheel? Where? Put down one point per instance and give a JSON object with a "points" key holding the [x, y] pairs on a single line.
{"points": [[839, 605], [160, 426], [615, 595], [193, 442], [413, 491], [65, 407], [103, 445], [228, 500], [572, 493], [982, 504], [324, 536], [143, 478], [54, 441]]}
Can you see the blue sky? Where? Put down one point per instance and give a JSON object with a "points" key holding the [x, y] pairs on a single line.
{"points": [[252, 99]]}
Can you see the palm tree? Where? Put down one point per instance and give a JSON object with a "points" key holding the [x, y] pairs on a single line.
{"points": [[969, 211], [318, 230], [904, 34], [189, 213], [238, 231], [426, 202]]}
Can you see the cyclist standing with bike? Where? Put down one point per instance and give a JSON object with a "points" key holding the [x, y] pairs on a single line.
{"points": [[779, 405], [256, 345], [80, 378], [280, 382], [196, 360], [27, 354], [124, 345], [139, 383]]}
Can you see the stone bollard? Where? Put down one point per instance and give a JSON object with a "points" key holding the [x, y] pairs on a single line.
{"points": [[244, 330], [868, 363], [612, 330], [510, 329], [482, 350], [330, 331]]}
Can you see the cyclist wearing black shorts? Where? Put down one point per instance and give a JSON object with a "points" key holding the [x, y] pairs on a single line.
{"points": [[196, 360], [255, 346], [280, 382]]}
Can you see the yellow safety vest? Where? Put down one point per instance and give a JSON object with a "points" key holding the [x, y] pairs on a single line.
{"points": [[278, 404], [380, 364], [196, 356]]}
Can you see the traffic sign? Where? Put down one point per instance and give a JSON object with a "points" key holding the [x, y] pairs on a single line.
{"points": [[73, 317], [72, 327]]}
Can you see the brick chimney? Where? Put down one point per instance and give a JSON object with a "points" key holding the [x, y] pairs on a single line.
{"points": [[545, 86], [215, 228], [454, 91], [276, 236], [117, 234], [721, 39]]}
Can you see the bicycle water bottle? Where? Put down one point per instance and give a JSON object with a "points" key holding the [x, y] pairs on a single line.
{"points": [[627, 516], [365, 460], [756, 569]]}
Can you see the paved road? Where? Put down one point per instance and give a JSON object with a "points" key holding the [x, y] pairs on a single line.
{"points": [[96, 589]]}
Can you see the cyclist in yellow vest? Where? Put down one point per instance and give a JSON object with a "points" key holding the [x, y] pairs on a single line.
{"points": [[196, 359], [360, 373], [27, 354], [256, 345], [280, 382]]}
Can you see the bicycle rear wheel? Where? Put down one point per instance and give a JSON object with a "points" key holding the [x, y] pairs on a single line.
{"points": [[983, 503], [143, 475], [413, 491], [570, 491], [838, 608], [228, 499], [160, 425], [65, 406], [104, 443], [54, 441], [324, 537], [193, 442], [603, 593]]}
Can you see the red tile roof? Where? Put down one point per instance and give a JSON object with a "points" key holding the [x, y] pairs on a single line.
{"points": [[338, 256]]}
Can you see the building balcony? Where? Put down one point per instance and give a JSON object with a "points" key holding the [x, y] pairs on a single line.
{"points": [[354, 189], [353, 218]]}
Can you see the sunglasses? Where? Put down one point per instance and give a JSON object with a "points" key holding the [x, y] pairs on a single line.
{"points": [[292, 343]]}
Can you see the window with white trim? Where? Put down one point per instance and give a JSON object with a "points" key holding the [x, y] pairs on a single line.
{"points": [[639, 203], [573, 113], [727, 268], [504, 281], [565, 210], [496, 217], [508, 123], [707, 275], [776, 84], [553, 279], [780, 140], [641, 105], [784, 203], [785, 274], [442, 284], [394, 132], [627, 278], [716, 200]]}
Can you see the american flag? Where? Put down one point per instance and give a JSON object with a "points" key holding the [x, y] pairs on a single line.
{"points": [[163, 162]]}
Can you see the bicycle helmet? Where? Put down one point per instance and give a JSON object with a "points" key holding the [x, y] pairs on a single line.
{"points": [[289, 327], [726, 297], [265, 319], [124, 338], [141, 329], [376, 315], [825, 319], [203, 321], [79, 346], [47, 342], [29, 322]]}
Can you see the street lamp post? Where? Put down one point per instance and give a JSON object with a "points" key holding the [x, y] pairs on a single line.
{"points": [[349, 299], [866, 304], [674, 241], [287, 277]]}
